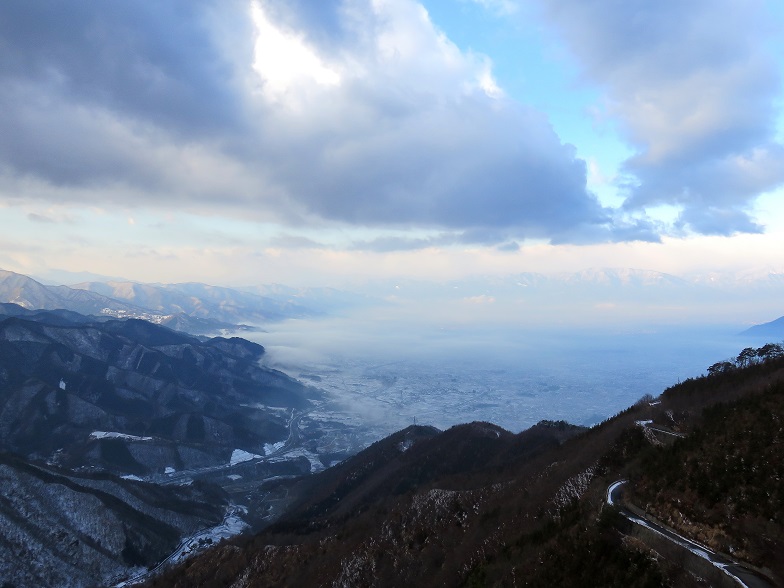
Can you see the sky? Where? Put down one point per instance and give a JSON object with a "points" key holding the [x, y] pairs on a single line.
{"points": [[329, 142]]}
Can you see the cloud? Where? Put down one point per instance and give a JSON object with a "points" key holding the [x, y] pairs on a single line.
{"points": [[405, 130], [381, 121], [40, 218], [481, 299], [154, 62], [364, 114], [695, 89]]}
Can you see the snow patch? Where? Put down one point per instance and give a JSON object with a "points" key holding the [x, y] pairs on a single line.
{"points": [[169, 470], [115, 435], [273, 447], [240, 456], [573, 488], [404, 446]]}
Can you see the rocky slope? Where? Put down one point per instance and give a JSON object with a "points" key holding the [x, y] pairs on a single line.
{"points": [[58, 528]]}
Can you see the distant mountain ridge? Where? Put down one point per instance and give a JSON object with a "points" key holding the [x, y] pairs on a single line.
{"points": [[30, 294], [201, 308], [198, 300], [190, 307], [773, 329]]}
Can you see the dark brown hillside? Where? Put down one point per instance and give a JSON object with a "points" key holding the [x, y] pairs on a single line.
{"points": [[724, 483], [460, 458], [478, 506]]}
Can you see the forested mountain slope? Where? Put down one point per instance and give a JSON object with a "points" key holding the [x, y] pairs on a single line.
{"points": [[132, 397], [61, 528], [90, 407]]}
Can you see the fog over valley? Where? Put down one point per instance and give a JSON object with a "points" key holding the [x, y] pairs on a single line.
{"points": [[391, 373]]}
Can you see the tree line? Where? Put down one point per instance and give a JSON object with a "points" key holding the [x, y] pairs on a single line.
{"points": [[747, 357]]}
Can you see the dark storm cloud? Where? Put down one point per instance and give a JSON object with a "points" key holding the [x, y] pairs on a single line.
{"points": [[696, 93]]}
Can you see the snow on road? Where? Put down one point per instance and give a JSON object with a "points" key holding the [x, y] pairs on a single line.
{"points": [[697, 549]]}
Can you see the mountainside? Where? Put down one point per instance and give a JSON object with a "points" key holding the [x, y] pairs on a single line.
{"points": [[167, 399], [122, 441], [478, 506], [59, 528], [28, 293]]}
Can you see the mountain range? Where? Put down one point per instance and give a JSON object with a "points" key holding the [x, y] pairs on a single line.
{"points": [[121, 439], [199, 301], [193, 308], [172, 399], [606, 294]]}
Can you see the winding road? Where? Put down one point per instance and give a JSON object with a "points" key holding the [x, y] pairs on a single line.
{"points": [[743, 576]]}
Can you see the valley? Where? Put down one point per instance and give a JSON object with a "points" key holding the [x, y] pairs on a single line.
{"points": [[272, 428]]}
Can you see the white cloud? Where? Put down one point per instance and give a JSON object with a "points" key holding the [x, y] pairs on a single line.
{"points": [[363, 114], [282, 59], [367, 116], [694, 86]]}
